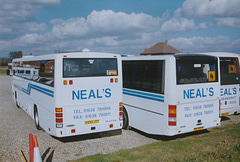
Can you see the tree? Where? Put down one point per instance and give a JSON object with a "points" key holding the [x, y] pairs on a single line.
{"points": [[4, 61], [15, 54]]}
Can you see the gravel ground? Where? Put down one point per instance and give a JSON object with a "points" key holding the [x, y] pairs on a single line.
{"points": [[15, 126]]}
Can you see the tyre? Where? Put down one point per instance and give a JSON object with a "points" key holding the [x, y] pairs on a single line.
{"points": [[125, 119], [36, 118]]}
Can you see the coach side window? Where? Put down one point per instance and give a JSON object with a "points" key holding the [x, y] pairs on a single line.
{"points": [[46, 72], [41, 71], [144, 75]]}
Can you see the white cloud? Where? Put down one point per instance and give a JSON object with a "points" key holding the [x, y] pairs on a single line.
{"points": [[205, 44], [45, 2], [101, 30], [73, 27], [236, 44], [224, 12], [4, 45], [228, 21], [178, 25], [16, 11], [103, 41], [17, 18], [34, 27], [29, 39], [203, 25], [105, 22], [212, 8]]}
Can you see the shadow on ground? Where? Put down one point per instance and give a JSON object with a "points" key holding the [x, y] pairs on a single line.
{"points": [[48, 155], [89, 136], [168, 138]]}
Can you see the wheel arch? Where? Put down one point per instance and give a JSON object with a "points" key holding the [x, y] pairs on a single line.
{"points": [[125, 119]]}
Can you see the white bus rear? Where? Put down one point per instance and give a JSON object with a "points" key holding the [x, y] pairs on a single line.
{"points": [[170, 94], [74, 93], [229, 82]]}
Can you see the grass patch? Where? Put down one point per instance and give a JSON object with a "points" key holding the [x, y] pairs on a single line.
{"points": [[221, 144], [3, 70]]}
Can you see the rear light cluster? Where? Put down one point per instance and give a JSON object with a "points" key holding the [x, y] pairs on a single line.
{"points": [[68, 82], [59, 117], [112, 80], [120, 111], [172, 115]]}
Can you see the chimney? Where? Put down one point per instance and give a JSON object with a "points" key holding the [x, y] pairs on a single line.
{"points": [[166, 42]]}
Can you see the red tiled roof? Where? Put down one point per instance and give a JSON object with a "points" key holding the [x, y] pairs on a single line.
{"points": [[160, 48]]}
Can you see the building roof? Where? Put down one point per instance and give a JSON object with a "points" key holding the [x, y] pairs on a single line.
{"points": [[160, 48]]}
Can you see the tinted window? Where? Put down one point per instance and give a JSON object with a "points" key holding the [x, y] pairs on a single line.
{"points": [[144, 75], [88, 67], [20, 71], [229, 68], [196, 69], [27, 72], [39, 71]]}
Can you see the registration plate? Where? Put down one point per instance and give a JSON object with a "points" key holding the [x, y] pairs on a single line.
{"points": [[197, 129], [224, 114], [92, 122]]}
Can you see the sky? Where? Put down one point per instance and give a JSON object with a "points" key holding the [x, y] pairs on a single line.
{"points": [[118, 26]]}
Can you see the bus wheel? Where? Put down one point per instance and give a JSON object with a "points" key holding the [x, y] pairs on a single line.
{"points": [[125, 119], [16, 100], [36, 118]]}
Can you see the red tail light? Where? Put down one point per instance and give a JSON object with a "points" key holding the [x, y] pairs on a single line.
{"points": [[172, 115], [59, 117], [172, 111], [172, 123], [120, 111], [59, 120]]}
